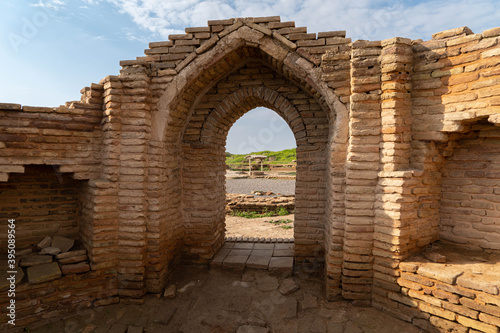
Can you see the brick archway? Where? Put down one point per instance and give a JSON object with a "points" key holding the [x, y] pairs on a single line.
{"points": [[177, 110], [231, 52]]}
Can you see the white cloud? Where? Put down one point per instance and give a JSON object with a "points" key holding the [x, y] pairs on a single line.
{"points": [[101, 38], [49, 4], [363, 19], [132, 37]]}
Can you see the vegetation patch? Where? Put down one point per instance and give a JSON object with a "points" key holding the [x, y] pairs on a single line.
{"points": [[283, 223], [281, 157], [282, 211]]}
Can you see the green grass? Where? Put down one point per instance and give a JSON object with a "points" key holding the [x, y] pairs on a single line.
{"points": [[282, 211], [283, 223], [254, 215], [282, 157], [251, 215]]}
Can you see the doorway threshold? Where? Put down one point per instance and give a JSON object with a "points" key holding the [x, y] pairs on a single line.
{"points": [[274, 257]]}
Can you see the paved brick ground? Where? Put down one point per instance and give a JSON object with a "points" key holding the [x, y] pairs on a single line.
{"points": [[277, 258]]}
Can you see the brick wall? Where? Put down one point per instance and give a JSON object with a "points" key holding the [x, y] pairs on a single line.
{"points": [[470, 204], [49, 301], [43, 202], [454, 81]]}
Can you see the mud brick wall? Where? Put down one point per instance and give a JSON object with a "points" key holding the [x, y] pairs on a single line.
{"points": [[453, 86], [453, 120], [249, 203], [49, 160], [470, 204], [454, 81], [67, 137], [43, 203]]}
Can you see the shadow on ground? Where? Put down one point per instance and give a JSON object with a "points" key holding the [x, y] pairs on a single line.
{"points": [[224, 301]]}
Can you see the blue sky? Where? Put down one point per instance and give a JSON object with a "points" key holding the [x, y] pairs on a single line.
{"points": [[50, 49]]}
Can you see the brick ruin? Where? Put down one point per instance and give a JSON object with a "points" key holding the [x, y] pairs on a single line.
{"points": [[398, 146]]}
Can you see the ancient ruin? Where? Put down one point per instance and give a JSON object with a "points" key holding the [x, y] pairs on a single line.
{"points": [[259, 159], [398, 147]]}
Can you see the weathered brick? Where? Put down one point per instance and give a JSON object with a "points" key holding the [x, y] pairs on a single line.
{"points": [[437, 311], [477, 324]]}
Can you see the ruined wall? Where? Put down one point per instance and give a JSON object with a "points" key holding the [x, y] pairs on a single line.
{"points": [[454, 123], [50, 163], [460, 295]]}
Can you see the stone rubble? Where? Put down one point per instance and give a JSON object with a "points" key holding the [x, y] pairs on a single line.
{"points": [[52, 250], [50, 263], [242, 202], [62, 243], [170, 291], [46, 242], [43, 273]]}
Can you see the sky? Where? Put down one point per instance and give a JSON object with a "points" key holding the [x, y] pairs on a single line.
{"points": [[50, 49]]}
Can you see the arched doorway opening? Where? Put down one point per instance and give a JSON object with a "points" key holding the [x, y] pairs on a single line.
{"points": [[192, 120], [254, 83], [260, 195]]}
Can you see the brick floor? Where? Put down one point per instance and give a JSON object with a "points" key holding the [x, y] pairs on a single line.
{"points": [[277, 257]]}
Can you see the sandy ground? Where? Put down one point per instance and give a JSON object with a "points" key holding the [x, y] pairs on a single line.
{"points": [[259, 227]]}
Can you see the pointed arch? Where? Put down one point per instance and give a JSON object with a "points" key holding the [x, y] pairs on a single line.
{"points": [[228, 54]]}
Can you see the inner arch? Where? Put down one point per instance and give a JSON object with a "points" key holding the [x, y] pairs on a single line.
{"points": [[203, 154], [259, 129]]}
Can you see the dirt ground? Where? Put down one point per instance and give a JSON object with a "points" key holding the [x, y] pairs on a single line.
{"points": [[259, 227], [227, 302]]}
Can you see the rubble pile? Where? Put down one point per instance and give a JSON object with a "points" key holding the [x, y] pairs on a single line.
{"points": [[244, 202], [51, 258]]}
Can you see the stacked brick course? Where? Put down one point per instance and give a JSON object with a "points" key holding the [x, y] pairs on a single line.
{"points": [[448, 297], [397, 144]]}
